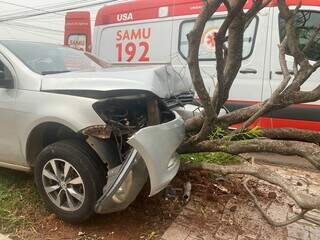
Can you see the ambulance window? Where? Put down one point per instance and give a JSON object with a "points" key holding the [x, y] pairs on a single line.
{"points": [[306, 24], [207, 46]]}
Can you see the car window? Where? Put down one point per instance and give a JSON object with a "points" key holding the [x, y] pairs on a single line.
{"points": [[207, 46], [306, 24], [46, 58], [5, 74]]}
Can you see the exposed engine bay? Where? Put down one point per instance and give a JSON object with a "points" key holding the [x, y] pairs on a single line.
{"points": [[125, 115], [133, 112]]}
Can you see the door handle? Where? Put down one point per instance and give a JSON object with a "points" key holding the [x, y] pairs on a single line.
{"points": [[291, 72], [248, 71]]}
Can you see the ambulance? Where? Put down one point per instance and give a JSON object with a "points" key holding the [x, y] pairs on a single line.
{"points": [[155, 32]]}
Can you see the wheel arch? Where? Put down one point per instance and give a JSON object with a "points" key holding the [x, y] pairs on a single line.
{"points": [[44, 134]]}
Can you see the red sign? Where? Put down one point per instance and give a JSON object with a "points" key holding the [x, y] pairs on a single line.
{"points": [[78, 30], [131, 42]]}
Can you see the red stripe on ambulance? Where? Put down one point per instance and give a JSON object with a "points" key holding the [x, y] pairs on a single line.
{"points": [[136, 10]]}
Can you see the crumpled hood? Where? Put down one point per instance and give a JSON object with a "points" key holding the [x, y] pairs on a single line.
{"points": [[162, 80]]}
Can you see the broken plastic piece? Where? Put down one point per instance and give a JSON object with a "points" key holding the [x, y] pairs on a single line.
{"points": [[98, 131], [187, 192]]}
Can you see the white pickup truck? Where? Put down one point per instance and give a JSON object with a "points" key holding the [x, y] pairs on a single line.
{"points": [[93, 134]]}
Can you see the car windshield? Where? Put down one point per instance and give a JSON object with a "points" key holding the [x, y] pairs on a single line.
{"points": [[44, 58]]}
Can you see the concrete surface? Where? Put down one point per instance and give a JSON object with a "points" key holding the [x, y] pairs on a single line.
{"points": [[281, 160], [3, 237], [240, 220]]}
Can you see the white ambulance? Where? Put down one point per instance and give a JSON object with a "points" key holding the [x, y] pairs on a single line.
{"points": [[154, 32]]}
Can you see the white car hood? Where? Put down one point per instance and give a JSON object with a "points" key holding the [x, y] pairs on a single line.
{"points": [[162, 80]]}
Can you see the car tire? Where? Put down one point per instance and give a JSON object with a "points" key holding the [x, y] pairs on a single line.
{"points": [[70, 179]]}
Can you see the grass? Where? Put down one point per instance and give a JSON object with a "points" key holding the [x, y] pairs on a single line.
{"points": [[211, 157], [17, 196], [222, 158]]}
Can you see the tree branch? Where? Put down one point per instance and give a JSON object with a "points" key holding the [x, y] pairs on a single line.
{"points": [[290, 31], [233, 59], [220, 39], [291, 134], [267, 105], [311, 40], [258, 5], [194, 39], [309, 151], [304, 201], [265, 215], [286, 141], [238, 116]]}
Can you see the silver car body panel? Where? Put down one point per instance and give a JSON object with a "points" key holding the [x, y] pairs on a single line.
{"points": [[157, 145], [154, 154], [162, 80], [130, 177], [34, 108]]}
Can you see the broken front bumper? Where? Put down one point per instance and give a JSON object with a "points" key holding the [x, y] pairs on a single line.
{"points": [[153, 154]]}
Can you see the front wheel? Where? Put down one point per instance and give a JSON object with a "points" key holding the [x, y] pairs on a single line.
{"points": [[69, 179]]}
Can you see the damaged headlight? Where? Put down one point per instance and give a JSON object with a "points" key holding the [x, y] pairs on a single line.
{"points": [[98, 131], [128, 113], [122, 193]]}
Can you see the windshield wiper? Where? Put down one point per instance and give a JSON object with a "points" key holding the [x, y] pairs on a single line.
{"points": [[53, 72]]}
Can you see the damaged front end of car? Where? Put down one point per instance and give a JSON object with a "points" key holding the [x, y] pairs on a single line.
{"points": [[139, 140]]}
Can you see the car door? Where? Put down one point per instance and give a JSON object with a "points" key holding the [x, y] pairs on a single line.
{"points": [[8, 135], [305, 115]]}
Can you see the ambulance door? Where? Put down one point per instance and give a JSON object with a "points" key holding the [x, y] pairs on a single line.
{"points": [[247, 88], [306, 22]]}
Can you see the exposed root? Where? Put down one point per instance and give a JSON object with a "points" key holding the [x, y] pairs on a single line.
{"points": [[306, 202], [265, 215]]}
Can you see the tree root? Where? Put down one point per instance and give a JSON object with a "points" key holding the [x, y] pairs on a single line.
{"points": [[305, 201], [265, 215]]}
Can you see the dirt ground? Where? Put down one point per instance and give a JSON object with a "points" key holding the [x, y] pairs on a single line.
{"points": [[149, 218], [146, 218], [228, 212]]}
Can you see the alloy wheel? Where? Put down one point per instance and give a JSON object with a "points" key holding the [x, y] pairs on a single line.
{"points": [[63, 184]]}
